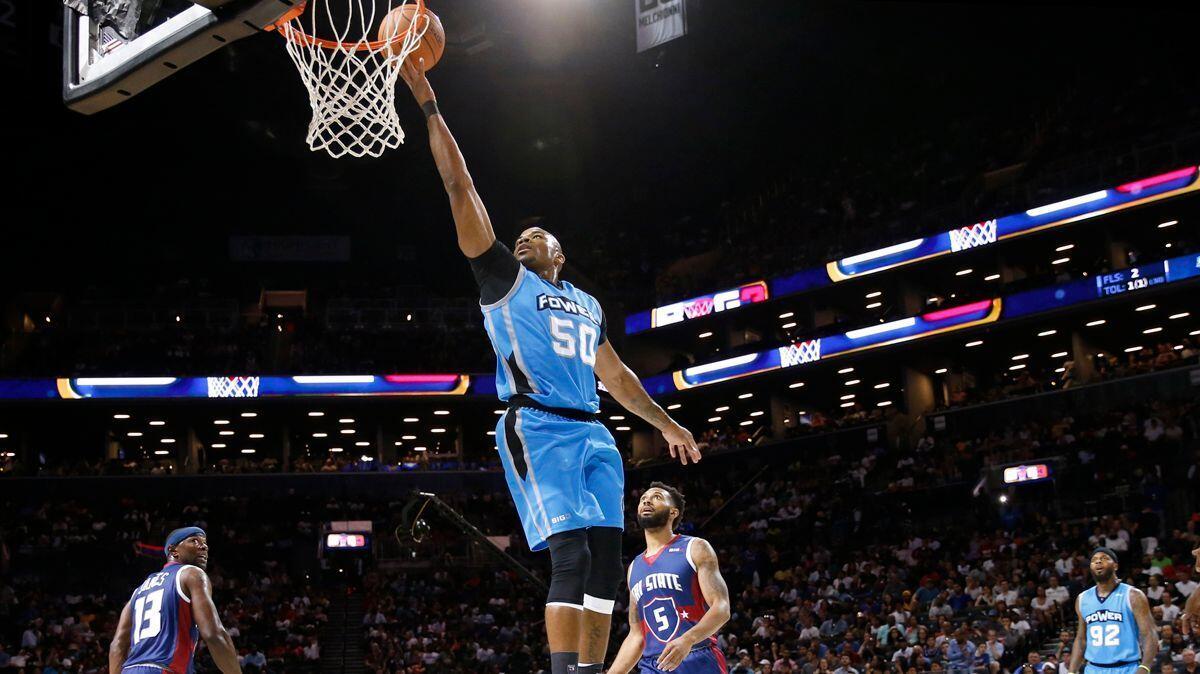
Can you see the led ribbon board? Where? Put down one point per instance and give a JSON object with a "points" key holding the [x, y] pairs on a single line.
{"points": [[123, 388], [802, 352], [696, 307], [983, 233]]}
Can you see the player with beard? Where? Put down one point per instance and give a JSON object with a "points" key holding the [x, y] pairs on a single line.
{"points": [[677, 597], [1115, 632], [168, 613]]}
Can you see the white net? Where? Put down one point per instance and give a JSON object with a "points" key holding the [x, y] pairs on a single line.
{"points": [[978, 234], [351, 80], [799, 353], [233, 387]]}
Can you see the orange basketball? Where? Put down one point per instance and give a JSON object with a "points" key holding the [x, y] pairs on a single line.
{"points": [[433, 42]]}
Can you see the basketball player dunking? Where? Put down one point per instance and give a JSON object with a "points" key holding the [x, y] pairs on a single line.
{"points": [[561, 464], [167, 614], [1115, 632], [677, 597]]}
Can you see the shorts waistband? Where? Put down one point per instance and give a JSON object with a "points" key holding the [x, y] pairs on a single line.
{"points": [[1111, 665], [521, 400]]}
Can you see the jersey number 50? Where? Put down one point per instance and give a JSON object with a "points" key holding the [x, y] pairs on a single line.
{"points": [[1105, 635], [564, 339]]}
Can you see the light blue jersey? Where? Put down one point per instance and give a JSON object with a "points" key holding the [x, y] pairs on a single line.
{"points": [[1111, 630], [545, 338]]}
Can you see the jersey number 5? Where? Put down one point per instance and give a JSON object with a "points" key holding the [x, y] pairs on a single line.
{"points": [[564, 339], [147, 616], [1105, 635]]}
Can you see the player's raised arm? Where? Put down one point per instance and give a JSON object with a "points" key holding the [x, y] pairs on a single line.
{"points": [[716, 595], [1080, 641], [624, 386], [208, 621], [1147, 630], [631, 647], [471, 219], [118, 650]]}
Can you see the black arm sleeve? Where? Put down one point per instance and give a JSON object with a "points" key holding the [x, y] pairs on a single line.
{"points": [[603, 328], [495, 271]]}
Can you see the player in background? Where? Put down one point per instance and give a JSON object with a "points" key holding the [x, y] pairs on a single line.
{"points": [[1191, 609], [677, 597], [162, 621], [1116, 632], [562, 466]]}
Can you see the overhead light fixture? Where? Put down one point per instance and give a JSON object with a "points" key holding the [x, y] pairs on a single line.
{"points": [[256, 436], [883, 385], [622, 428], [1061, 260], [134, 434], [1133, 349], [796, 384], [413, 437], [420, 449], [674, 406], [1175, 317], [1020, 356], [437, 430], [1064, 248], [1151, 331], [489, 433], [745, 396], [120, 416], [1058, 354], [249, 415], [1047, 333], [1060, 369], [705, 335], [247, 451], [1168, 223], [876, 293], [1146, 307], [225, 433], [441, 413], [884, 403], [851, 382], [849, 404], [787, 314], [316, 414], [941, 370], [1092, 324], [722, 408], [788, 326], [413, 420], [397, 443], [345, 421], [1017, 367], [713, 419], [756, 413], [168, 441], [335, 450], [221, 422], [963, 272], [1193, 333], [848, 396], [617, 417], [874, 305], [974, 343], [348, 431], [846, 370], [746, 423], [218, 445], [320, 435], [992, 277], [161, 452], [362, 443]]}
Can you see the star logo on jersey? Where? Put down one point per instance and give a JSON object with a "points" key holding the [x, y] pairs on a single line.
{"points": [[683, 614]]}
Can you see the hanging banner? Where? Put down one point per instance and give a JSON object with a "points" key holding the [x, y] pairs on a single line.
{"points": [[659, 21]]}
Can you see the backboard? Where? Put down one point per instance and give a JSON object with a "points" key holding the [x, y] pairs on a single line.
{"points": [[115, 49]]}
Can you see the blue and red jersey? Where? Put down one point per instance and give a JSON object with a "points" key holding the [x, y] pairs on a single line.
{"points": [[666, 590], [164, 636]]}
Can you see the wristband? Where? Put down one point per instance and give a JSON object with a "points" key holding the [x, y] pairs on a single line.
{"points": [[430, 108], [1145, 668]]}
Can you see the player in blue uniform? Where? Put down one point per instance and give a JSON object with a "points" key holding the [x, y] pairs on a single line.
{"points": [[677, 597], [562, 465], [167, 614], [1115, 633]]}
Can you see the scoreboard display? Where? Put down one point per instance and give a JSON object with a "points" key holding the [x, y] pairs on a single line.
{"points": [[1132, 279], [1023, 474]]}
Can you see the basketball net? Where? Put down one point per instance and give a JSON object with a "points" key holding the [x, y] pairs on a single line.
{"points": [[351, 79], [233, 387]]}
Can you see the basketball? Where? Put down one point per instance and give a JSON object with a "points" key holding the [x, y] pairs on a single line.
{"points": [[396, 24]]}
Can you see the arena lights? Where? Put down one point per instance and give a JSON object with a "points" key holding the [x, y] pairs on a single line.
{"points": [[134, 434], [713, 420], [489, 433], [1017, 367], [846, 370], [1133, 349], [848, 396], [746, 423], [874, 305], [882, 385], [120, 416], [1059, 354], [1175, 317], [882, 252], [158, 423], [705, 335], [316, 414], [348, 431], [941, 370], [366, 457], [1060, 369], [786, 314], [622, 428], [885, 403], [421, 448], [218, 445], [441, 413], [225, 433], [437, 430], [744, 396], [413, 437], [1064, 248], [1047, 333], [247, 451], [397, 443], [413, 420], [796, 384], [617, 417], [125, 381], [1193, 333], [963, 272], [1151, 331], [256, 436], [1067, 203], [3, 436], [852, 382], [221, 422], [674, 406], [882, 328], [722, 408], [335, 450], [334, 379], [973, 344], [168, 441], [850, 404], [1020, 356], [876, 293], [1168, 223], [1092, 324], [345, 421], [320, 435], [1061, 260], [1146, 307], [161, 452], [992, 277], [756, 413], [248, 415], [788, 326], [362, 443]]}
